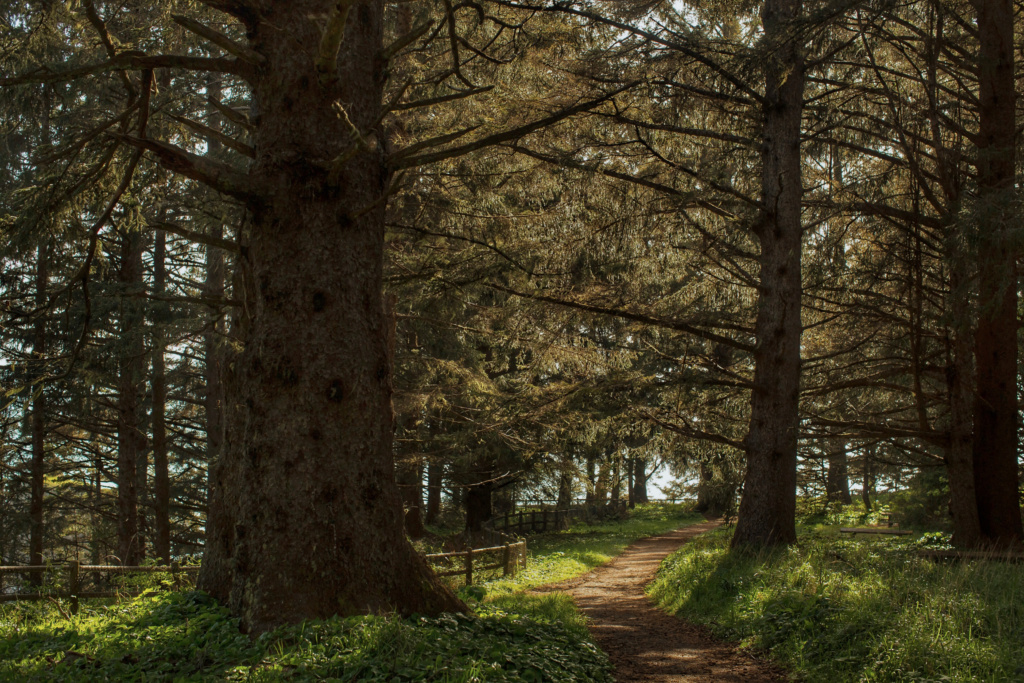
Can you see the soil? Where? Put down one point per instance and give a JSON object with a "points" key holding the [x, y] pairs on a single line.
{"points": [[645, 644]]}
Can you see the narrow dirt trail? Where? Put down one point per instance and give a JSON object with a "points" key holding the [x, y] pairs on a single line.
{"points": [[645, 644]]}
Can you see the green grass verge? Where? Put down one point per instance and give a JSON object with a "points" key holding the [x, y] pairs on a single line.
{"points": [[188, 637], [838, 609], [562, 555]]}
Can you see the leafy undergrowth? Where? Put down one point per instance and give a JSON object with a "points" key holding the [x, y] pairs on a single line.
{"points": [[188, 637], [558, 556], [838, 609]]}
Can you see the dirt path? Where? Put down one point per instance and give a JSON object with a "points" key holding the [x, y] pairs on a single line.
{"points": [[645, 644]]}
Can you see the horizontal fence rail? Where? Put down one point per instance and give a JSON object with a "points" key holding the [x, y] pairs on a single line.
{"points": [[513, 556], [74, 588], [540, 519]]}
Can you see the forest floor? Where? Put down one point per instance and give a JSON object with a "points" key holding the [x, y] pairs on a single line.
{"points": [[645, 644]]}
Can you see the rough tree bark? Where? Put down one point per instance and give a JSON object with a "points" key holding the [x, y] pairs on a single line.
{"points": [[131, 440], [161, 474], [963, 501], [837, 483], [767, 513], [640, 477], [995, 401], [38, 466], [306, 520]]}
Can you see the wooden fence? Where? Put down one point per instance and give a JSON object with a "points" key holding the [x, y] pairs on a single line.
{"points": [[74, 588], [513, 556], [541, 503], [541, 519]]}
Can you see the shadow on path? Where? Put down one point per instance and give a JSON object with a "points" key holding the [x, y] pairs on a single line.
{"points": [[645, 644]]}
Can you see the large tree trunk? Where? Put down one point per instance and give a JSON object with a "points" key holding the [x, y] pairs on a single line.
{"points": [[131, 441], [837, 484], [161, 474], [995, 400], [37, 475], [767, 513], [306, 520]]}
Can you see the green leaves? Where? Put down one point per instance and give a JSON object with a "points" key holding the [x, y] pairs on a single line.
{"points": [[189, 637]]}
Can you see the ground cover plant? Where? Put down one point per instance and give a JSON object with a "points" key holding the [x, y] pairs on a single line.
{"points": [[187, 636], [840, 609]]}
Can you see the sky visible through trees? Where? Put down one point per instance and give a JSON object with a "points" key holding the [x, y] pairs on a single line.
{"points": [[275, 272]]}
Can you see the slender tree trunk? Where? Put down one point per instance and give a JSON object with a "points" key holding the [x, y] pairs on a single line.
{"points": [[161, 474], [38, 469], [601, 487], [213, 289], [963, 501], [130, 438], [307, 520], [995, 402], [616, 491], [868, 482], [591, 496], [631, 481], [640, 480], [565, 483], [837, 485], [479, 499], [410, 483], [97, 502], [767, 513], [435, 478]]}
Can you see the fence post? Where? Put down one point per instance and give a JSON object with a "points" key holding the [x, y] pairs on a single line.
{"points": [[175, 578], [469, 567], [544, 520], [533, 521], [519, 527], [506, 558], [73, 587]]}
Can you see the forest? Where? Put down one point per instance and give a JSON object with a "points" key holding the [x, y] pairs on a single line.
{"points": [[289, 286]]}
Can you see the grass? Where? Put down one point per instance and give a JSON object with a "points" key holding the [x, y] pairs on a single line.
{"points": [[838, 609], [186, 636], [558, 556]]}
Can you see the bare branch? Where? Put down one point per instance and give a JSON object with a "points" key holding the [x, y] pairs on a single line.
{"points": [[217, 38], [330, 42], [211, 133], [415, 104], [198, 237], [220, 177], [514, 133], [655, 321], [134, 60], [394, 48]]}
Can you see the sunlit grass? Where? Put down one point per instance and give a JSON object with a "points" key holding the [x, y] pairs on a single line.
{"points": [[559, 556], [839, 609]]}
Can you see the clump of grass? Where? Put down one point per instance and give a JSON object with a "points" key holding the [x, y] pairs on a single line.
{"points": [[562, 555], [188, 636], [836, 609]]}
